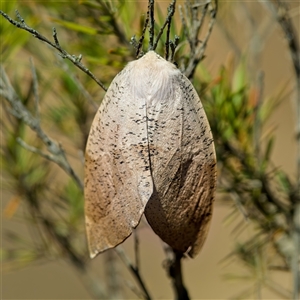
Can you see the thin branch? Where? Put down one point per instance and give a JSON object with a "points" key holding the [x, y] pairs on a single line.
{"points": [[107, 10], [20, 111], [237, 200], [36, 150], [185, 27], [197, 24], [135, 271], [193, 29], [168, 41], [171, 11], [173, 45], [152, 24], [134, 289], [200, 49], [80, 86], [135, 45], [76, 60], [140, 43], [136, 249], [174, 270]]}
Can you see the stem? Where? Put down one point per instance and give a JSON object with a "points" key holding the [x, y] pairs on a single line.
{"points": [[135, 272], [175, 273], [198, 49], [152, 24], [171, 11]]}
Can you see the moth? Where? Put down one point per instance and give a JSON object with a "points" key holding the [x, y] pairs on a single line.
{"points": [[150, 151]]}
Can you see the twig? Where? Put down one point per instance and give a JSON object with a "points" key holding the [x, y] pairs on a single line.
{"points": [[171, 11], [152, 23], [134, 289], [116, 28], [185, 27], [136, 249], [20, 111], [35, 150], [173, 45], [80, 86], [197, 24], [140, 43], [76, 60], [135, 271], [174, 270], [63, 242], [236, 198], [198, 53]]}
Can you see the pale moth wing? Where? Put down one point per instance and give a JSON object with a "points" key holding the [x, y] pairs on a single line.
{"points": [[150, 150], [118, 181], [183, 163]]}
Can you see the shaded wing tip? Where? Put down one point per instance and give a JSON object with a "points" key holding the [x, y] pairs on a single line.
{"points": [[94, 251], [93, 254]]}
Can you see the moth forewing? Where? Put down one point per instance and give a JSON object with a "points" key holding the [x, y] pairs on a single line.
{"points": [[118, 182], [179, 210]]}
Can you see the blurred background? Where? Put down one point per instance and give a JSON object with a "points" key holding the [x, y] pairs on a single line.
{"points": [[247, 63]]}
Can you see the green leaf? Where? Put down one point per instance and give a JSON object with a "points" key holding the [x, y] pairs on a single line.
{"points": [[239, 80], [284, 182], [269, 148], [76, 27]]}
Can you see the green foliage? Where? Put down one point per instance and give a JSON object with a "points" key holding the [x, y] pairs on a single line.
{"points": [[247, 176]]}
